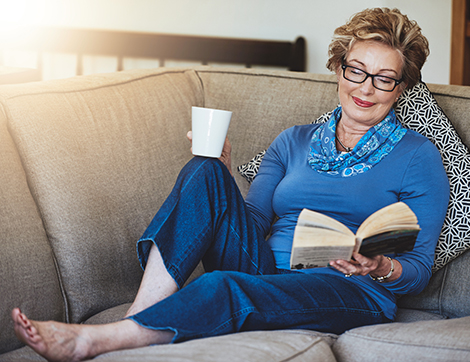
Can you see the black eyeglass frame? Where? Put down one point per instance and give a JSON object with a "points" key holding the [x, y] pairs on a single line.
{"points": [[372, 76]]}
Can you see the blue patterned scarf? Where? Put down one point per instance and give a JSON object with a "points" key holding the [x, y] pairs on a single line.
{"points": [[373, 147]]}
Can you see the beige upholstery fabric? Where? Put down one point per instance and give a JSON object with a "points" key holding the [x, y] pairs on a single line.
{"points": [[264, 104], [444, 340], [446, 293], [249, 346], [99, 166], [272, 346], [24, 354], [296, 345], [28, 275], [454, 100]]}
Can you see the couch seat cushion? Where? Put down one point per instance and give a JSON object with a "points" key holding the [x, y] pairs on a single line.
{"points": [[294, 346], [248, 346], [415, 315], [444, 340]]}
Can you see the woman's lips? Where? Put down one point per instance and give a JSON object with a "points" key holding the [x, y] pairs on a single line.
{"points": [[362, 103]]}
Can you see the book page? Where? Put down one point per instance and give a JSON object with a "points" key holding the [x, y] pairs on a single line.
{"points": [[305, 258], [317, 241], [397, 216], [305, 236], [315, 219]]}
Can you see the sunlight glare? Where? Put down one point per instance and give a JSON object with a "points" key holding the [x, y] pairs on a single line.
{"points": [[19, 13]]}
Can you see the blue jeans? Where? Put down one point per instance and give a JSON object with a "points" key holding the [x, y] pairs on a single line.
{"points": [[205, 218]]}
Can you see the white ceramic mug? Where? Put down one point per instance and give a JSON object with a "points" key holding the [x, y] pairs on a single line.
{"points": [[209, 127]]}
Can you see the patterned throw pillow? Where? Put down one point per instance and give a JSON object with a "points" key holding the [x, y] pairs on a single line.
{"points": [[418, 110]]}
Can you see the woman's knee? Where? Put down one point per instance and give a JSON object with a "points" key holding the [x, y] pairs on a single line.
{"points": [[205, 165], [221, 279], [204, 171]]}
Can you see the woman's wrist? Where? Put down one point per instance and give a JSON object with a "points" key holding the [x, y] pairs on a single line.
{"points": [[384, 271]]}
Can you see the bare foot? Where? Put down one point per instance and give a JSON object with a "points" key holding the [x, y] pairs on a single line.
{"points": [[63, 342], [53, 340]]}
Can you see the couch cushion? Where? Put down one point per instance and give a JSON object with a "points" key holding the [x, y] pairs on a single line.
{"points": [[295, 346], [447, 293], [446, 340], [415, 315], [272, 346], [264, 104], [300, 345], [27, 268], [249, 170], [101, 153], [454, 101]]}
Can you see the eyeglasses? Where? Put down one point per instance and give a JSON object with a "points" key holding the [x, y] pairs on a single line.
{"points": [[380, 82]]}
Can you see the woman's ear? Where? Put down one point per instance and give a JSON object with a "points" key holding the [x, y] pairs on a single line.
{"points": [[401, 89]]}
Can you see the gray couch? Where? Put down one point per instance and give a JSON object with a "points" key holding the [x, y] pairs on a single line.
{"points": [[86, 162]]}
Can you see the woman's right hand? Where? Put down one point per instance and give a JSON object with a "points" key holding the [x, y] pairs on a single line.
{"points": [[226, 156]]}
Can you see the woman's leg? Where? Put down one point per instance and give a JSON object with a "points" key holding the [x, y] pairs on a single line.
{"points": [[156, 285], [226, 302], [204, 218], [217, 303]]}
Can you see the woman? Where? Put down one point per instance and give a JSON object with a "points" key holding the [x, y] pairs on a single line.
{"points": [[359, 161]]}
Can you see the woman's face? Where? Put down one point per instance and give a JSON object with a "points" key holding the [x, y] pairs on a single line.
{"points": [[362, 103]]}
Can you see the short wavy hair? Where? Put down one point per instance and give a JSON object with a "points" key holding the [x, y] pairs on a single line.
{"points": [[389, 27]]}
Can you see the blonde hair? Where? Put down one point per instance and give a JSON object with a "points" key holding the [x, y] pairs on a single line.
{"points": [[389, 27]]}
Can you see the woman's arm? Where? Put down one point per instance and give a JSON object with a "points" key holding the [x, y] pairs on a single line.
{"points": [[272, 170], [425, 189]]}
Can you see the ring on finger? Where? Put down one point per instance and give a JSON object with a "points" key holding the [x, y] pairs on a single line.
{"points": [[347, 275]]}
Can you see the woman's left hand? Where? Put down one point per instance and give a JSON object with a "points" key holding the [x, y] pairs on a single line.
{"points": [[226, 156], [377, 266]]}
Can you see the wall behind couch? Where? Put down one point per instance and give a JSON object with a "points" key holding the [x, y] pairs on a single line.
{"points": [[258, 19]]}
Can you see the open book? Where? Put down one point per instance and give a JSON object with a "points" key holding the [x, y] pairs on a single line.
{"points": [[318, 239]]}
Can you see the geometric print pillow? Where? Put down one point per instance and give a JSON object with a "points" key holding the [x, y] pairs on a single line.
{"points": [[418, 110], [250, 169]]}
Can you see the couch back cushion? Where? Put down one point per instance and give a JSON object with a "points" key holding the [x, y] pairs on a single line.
{"points": [[454, 101], [448, 292], [265, 103], [101, 153], [27, 266]]}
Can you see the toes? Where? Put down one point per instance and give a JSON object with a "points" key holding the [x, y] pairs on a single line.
{"points": [[24, 329], [33, 335], [17, 316], [20, 318], [14, 313]]}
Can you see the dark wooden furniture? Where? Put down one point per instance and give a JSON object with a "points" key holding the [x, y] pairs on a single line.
{"points": [[460, 52], [290, 55]]}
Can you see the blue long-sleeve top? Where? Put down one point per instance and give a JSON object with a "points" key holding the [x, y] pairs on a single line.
{"points": [[412, 173]]}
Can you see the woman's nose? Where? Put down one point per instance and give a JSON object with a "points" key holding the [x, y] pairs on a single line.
{"points": [[367, 87]]}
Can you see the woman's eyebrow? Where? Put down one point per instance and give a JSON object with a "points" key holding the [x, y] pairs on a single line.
{"points": [[381, 70]]}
